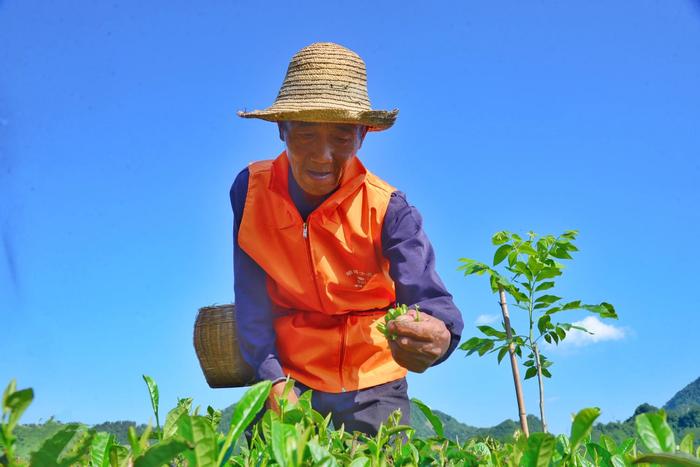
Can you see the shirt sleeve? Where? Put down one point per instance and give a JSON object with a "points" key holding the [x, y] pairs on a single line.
{"points": [[412, 267], [256, 334]]}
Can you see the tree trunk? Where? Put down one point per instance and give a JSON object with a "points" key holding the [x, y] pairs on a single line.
{"points": [[539, 379], [514, 364]]}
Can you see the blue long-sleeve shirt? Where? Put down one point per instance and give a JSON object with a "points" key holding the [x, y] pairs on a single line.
{"points": [[405, 245]]}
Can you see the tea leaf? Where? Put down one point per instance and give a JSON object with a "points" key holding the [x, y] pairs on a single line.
{"points": [[432, 418], [581, 426], [654, 432], [244, 412], [540, 449], [161, 453], [679, 459], [153, 393]]}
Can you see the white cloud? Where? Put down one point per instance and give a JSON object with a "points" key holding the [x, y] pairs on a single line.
{"points": [[600, 332], [485, 319]]}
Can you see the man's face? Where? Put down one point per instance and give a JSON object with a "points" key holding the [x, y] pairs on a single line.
{"points": [[319, 152]]}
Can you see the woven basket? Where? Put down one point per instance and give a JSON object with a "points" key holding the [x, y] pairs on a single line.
{"points": [[216, 344]]}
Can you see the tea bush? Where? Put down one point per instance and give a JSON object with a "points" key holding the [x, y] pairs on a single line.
{"points": [[301, 436]]}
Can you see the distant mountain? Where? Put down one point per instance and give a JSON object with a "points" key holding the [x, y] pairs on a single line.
{"points": [[685, 399], [682, 410], [456, 430]]}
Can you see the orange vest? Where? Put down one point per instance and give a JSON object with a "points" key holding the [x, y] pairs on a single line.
{"points": [[327, 278]]}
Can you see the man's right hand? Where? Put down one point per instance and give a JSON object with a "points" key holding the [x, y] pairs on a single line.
{"points": [[276, 392]]}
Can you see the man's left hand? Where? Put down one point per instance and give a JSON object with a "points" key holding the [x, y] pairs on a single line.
{"points": [[418, 344]]}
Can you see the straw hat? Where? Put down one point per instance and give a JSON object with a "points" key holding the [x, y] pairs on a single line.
{"points": [[325, 82]]}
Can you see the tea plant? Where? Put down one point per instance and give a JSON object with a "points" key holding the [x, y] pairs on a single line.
{"points": [[301, 436], [391, 315], [532, 265], [14, 403]]}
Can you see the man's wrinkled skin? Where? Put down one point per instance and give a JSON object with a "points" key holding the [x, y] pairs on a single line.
{"points": [[418, 344], [318, 154]]}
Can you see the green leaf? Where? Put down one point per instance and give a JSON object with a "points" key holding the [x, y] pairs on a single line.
{"points": [[119, 455], [321, 455], [548, 299], [561, 333], [501, 253], [49, 452], [200, 434], [554, 336], [499, 237], [360, 462], [548, 272], [281, 434], [9, 389], [244, 412], [531, 372], [17, 402], [605, 310], [654, 432], [502, 353], [617, 461], [687, 444], [572, 305], [562, 445], [153, 393], [491, 332], [544, 323], [486, 346], [526, 248], [540, 449], [77, 450], [471, 344], [560, 252], [679, 459], [581, 426], [171, 420], [626, 446], [134, 441], [544, 286], [521, 268], [432, 418], [99, 449], [161, 453], [512, 258], [471, 266], [601, 456]]}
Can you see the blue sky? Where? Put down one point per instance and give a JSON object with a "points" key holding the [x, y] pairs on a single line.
{"points": [[119, 142]]}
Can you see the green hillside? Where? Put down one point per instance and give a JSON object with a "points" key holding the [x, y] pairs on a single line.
{"points": [[683, 411], [685, 399]]}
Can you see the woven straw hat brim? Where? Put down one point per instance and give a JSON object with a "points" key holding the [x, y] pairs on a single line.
{"points": [[375, 120], [325, 82]]}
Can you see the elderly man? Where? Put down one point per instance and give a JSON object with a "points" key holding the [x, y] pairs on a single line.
{"points": [[323, 247]]}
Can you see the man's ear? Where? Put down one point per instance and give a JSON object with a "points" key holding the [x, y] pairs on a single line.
{"points": [[282, 127]]}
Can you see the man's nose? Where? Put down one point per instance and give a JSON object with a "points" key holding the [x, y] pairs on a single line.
{"points": [[323, 152]]}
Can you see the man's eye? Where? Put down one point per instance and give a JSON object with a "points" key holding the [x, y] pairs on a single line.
{"points": [[343, 140]]}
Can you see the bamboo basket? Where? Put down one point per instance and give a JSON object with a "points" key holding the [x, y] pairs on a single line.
{"points": [[218, 351]]}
